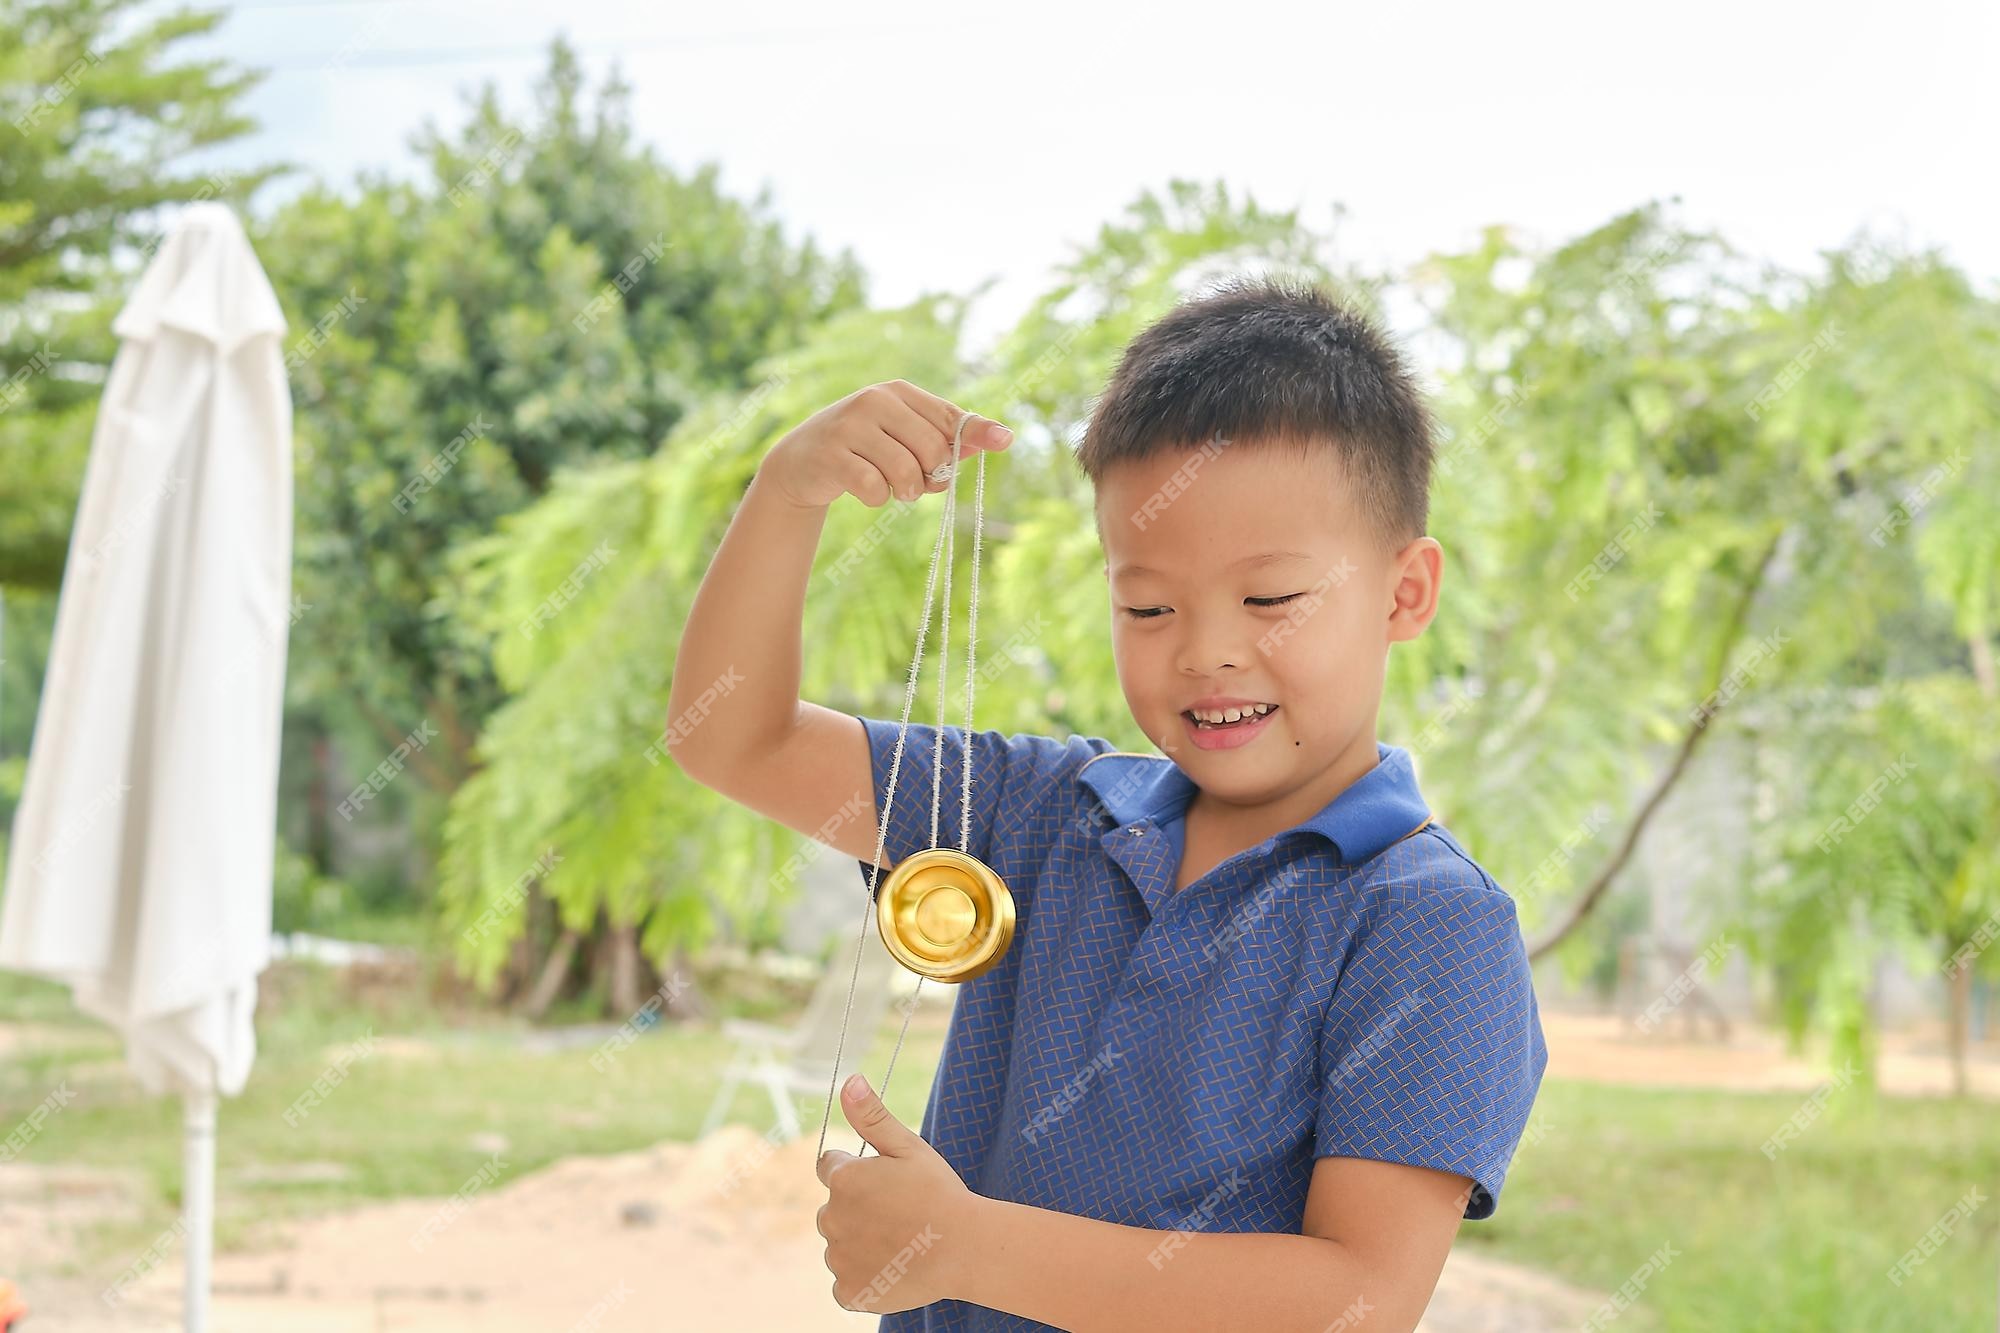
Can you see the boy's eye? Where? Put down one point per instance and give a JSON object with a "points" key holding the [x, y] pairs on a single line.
{"points": [[1148, 612]]}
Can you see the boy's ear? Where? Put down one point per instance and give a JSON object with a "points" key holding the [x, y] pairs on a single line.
{"points": [[1414, 574]]}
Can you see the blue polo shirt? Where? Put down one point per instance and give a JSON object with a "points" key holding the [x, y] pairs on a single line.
{"points": [[1356, 985]]}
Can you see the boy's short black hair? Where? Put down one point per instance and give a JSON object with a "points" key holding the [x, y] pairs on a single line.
{"points": [[1270, 359]]}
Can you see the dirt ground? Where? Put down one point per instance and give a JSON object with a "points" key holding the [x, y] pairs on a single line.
{"points": [[715, 1235]]}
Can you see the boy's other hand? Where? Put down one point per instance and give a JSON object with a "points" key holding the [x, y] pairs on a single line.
{"points": [[886, 439], [895, 1224]]}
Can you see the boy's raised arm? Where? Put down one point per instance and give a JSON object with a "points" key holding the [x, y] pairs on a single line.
{"points": [[735, 722]]}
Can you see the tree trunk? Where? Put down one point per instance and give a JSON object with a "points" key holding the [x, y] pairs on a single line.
{"points": [[684, 997], [319, 802], [554, 972], [1574, 915], [624, 990], [1960, 995]]}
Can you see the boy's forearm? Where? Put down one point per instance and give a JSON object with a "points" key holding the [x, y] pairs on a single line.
{"points": [[1092, 1276], [743, 627]]}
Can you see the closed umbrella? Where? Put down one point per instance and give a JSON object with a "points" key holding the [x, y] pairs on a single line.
{"points": [[141, 861]]}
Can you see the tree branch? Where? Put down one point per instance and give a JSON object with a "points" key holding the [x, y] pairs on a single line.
{"points": [[1574, 915]]}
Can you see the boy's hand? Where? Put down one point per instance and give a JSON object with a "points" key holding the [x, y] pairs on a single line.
{"points": [[894, 1224], [880, 441]]}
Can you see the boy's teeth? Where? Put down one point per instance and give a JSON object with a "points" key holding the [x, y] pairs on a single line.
{"points": [[1219, 716]]}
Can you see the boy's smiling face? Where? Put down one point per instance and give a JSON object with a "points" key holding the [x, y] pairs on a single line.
{"points": [[1200, 544]]}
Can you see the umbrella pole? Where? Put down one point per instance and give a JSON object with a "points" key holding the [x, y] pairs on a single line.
{"points": [[198, 1206]]}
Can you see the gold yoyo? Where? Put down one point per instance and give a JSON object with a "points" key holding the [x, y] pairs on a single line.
{"points": [[944, 914]]}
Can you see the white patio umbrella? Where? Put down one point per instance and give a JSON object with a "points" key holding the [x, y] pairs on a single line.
{"points": [[140, 867]]}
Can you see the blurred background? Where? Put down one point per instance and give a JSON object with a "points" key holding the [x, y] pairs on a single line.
{"points": [[1706, 297]]}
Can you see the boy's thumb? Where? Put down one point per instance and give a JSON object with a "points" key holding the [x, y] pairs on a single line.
{"points": [[872, 1120]]}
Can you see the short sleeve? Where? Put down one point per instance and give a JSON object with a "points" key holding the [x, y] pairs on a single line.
{"points": [[1432, 1049], [1023, 791]]}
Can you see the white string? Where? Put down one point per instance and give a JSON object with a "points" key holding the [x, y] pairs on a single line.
{"points": [[941, 552]]}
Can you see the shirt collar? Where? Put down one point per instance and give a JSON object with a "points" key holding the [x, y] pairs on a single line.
{"points": [[1381, 807]]}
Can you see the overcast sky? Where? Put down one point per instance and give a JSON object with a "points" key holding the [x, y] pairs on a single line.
{"points": [[947, 148]]}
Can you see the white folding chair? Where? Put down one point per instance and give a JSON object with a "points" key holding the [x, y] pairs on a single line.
{"points": [[787, 1062]]}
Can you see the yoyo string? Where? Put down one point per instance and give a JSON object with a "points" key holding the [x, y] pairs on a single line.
{"points": [[941, 556]]}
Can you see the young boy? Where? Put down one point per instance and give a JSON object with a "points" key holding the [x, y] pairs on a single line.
{"points": [[1265, 1032]]}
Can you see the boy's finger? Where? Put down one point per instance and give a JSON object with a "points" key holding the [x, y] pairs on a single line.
{"points": [[828, 1160], [943, 414], [871, 1119]]}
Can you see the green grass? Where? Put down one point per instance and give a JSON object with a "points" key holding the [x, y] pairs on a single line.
{"points": [[402, 1126], [1610, 1174], [1805, 1241]]}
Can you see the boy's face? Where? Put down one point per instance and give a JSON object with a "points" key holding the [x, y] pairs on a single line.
{"points": [[1184, 538]]}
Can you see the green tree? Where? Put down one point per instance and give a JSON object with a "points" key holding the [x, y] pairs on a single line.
{"points": [[100, 124], [1660, 493], [548, 293], [573, 762]]}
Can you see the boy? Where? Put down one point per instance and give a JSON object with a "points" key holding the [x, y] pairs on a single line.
{"points": [[1265, 1032]]}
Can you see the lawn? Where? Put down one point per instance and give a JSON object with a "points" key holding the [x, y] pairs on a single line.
{"points": [[1609, 1175]]}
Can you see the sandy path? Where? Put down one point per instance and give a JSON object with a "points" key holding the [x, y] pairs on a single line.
{"points": [[708, 1237], [716, 1235]]}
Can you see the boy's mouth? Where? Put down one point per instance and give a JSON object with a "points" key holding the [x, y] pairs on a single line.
{"points": [[1225, 719], [1212, 729]]}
